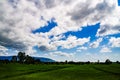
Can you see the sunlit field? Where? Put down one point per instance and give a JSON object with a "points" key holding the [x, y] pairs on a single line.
{"points": [[16, 71]]}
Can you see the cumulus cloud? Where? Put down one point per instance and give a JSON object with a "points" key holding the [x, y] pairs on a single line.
{"points": [[96, 43], [71, 42], [60, 53], [114, 42], [94, 57], [105, 50], [3, 51], [81, 48], [20, 17]]}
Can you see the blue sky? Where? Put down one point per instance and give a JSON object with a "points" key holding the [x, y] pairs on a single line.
{"points": [[119, 2], [50, 24], [87, 31], [78, 30]]}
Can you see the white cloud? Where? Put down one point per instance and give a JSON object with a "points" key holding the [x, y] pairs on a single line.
{"points": [[71, 42], [20, 17], [2, 48], [60, 53], [115, 42], [110, 25], [97, 56], [81, 48], [105, 50], [30, 51], [96, 43], [3, 51]]}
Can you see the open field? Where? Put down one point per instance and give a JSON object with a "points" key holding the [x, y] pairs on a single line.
{"points": [[59, 72]]}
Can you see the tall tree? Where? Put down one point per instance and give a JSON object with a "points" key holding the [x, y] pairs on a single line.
{"points": [[29, 60], [108, 61], [14, 59], [21, 57]]}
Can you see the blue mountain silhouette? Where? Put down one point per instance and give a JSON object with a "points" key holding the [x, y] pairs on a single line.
{"points": [[42, 59]]}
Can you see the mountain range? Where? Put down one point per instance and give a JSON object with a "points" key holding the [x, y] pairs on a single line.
{"points": [[42, 59]]}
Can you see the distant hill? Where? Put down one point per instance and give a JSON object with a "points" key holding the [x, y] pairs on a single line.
{"points": [[42, 59]]}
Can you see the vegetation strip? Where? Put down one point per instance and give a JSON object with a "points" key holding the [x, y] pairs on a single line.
{"points": [[31, 72], [106, 71]]}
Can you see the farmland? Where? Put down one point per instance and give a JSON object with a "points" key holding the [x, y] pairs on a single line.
{"points": [[16, 71]]}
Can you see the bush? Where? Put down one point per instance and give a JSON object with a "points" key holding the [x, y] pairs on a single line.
{"points": [[108, 61]]}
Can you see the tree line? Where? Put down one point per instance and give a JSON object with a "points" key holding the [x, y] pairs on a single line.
{"points": [[26, 59], [22, 58]]}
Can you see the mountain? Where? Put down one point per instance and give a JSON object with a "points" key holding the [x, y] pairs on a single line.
{"points": [[5, 57], [42, 59]]}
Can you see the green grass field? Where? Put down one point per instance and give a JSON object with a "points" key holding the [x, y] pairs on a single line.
{"points": [[59, 72]]}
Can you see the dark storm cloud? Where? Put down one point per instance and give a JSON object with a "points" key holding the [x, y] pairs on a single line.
{"points": [[10, 43], [67, 1], [43, 48], [14, 3], [104, 29], [46, 3], [37, 3], [80, 12], [83, 11], [49, 3], [104, 7], [53, 3], [116, 27]]}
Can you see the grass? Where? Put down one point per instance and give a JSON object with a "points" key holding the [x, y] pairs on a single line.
{"points": [[59, 72]]}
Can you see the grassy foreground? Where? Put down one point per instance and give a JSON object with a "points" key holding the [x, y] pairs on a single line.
{"points": [[59, 72]]}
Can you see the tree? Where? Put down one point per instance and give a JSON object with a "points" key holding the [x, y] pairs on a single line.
{"points": [[108, 61], [118, 62], [66, 61], [21, 57], [29, 60], [37, 61], [88, 62], [98, 62], [6, 61], [14, 59]]}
